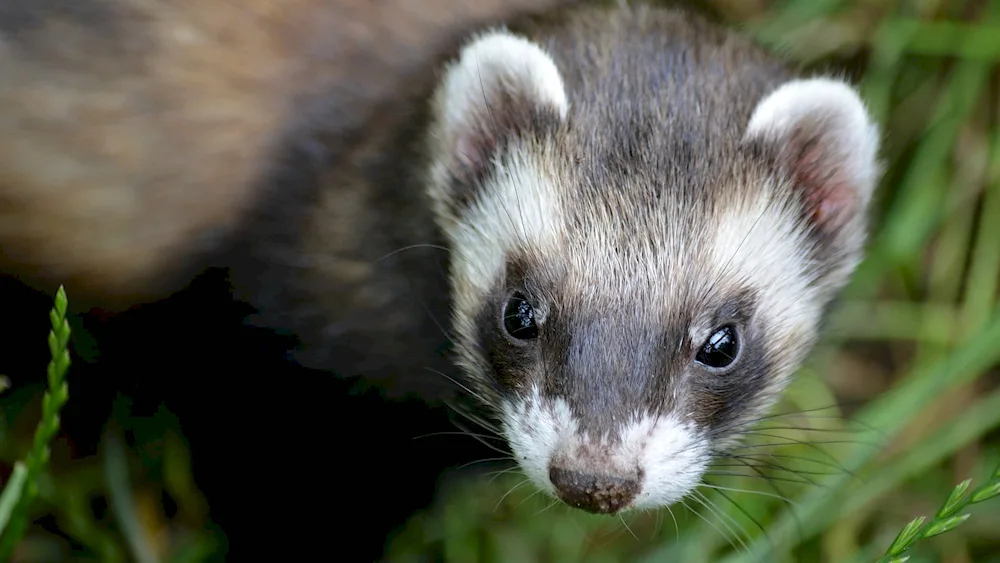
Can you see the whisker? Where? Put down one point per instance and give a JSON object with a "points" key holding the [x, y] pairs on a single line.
{"points": [[472, 417], [484, 442], [835, 465], [512, 489], [806, 414], [551, 504], [438, 324], [806, 429], [762, 477], [793, 442], [484, 424], [747, 514], [713, 526], [468, 416], [785, 456], [677, 528], [742, 427], [770, 478], [730, 534], [748, 491], [738, 530], [483, 436], [624, 523], [790, 505], [485, 460], [657, 522], [412, 247], [838, 405], [778, 467], [810, 443], [527, 498], [497, 474], [460, 385]]}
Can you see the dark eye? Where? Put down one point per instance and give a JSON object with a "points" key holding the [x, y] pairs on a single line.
{"points": [[519, 318], [721, 348]]}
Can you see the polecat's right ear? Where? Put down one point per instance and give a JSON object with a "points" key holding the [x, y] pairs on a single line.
{"points": [[823, 136], [502, 87]]}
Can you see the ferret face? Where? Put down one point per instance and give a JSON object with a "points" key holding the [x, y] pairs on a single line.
{"points": [[630, 292]]}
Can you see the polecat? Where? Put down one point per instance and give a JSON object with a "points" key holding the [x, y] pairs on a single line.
{"points": [[645, 217]]}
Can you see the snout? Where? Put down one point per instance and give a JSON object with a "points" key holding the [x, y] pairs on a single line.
{"points": [[634, 461], [598, 494]]}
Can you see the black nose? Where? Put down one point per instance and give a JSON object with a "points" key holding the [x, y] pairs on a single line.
{"points": [[599, 494]]}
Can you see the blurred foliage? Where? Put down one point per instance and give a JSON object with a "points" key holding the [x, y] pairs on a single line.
{"points": [[899, 404]]}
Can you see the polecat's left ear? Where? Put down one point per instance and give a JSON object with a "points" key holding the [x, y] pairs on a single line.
{"points": [[502, 87], [824, 139]]}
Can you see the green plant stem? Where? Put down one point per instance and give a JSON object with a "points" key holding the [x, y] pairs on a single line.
{"points": [[946, 519], [52, 402]]}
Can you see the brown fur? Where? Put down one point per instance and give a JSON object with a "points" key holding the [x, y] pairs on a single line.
{"points": [[134, 134]]}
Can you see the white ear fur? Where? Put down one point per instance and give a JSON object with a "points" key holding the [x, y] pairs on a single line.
{"points": [[496, 80], [822, 130]]}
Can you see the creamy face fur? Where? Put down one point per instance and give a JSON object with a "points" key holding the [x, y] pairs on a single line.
{"points": [[648, 217]]}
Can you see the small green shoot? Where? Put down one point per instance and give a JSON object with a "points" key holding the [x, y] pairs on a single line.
{"points": [[22, 488], [945, 520]]}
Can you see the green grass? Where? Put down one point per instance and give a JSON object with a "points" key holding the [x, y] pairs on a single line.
{"points": [[899, 404]]}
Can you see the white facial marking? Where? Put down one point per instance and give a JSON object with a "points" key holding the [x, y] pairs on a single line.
{"points": [[674, 455], [535, 430], [671, 454], [518, 210], [759, 243]]}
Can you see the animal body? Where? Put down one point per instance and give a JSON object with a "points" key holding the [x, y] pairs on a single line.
{"points": [[136, 134]]}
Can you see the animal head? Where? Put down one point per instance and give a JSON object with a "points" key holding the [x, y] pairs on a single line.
{"points": [[639, 261]]}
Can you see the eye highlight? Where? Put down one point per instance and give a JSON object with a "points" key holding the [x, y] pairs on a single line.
{"points": [[519, 318], [721, 348]]}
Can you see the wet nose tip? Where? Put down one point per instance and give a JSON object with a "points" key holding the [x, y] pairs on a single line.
{"points": [[598, 494]]}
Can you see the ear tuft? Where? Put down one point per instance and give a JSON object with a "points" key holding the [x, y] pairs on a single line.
{"points": [[501, 86], [823, 137]]}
